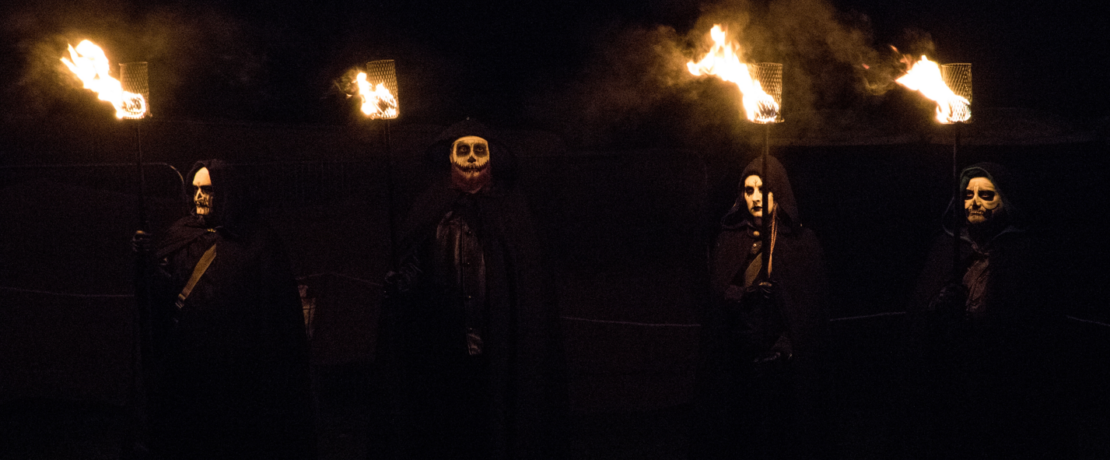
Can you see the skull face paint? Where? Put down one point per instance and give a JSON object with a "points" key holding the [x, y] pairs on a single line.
{"points": [[753, 196], [202, 196], [470, 169], [981, 201]]}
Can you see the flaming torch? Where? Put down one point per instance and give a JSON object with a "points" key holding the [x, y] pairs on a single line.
{"points": [[936, 82], [760, 87], [89, 63], [377, 103], [377, 87], [130, 98], [949, 86], [723, 62]]}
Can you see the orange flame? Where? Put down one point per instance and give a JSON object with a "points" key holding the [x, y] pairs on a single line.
{"points": [[90, 64], [723, 62], [376, 103], [924, 76]]}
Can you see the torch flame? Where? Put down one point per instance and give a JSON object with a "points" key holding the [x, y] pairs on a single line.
{"points": [[723, 62], [376, 103], [924, 76], [90, 64]]}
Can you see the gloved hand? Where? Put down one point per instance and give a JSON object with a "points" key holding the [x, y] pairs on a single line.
{"points": [[781, 352], [950, 301], [142, 242], [394, 283], [758, 322], [401, 281], [760, 291], [774, 362]]}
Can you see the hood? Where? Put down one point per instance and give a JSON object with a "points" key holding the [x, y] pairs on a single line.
{"points": [[232, 208], [1008, 186], [502, 159], [779, 185]]}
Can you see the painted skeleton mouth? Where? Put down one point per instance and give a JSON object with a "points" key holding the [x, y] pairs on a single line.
{"points": [[471, 168]]}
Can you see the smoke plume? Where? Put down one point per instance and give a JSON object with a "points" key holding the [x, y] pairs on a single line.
{"points": [[638, 75], [189, 51]]}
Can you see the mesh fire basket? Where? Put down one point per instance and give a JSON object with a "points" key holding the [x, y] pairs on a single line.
{"points": [[769, 76]]}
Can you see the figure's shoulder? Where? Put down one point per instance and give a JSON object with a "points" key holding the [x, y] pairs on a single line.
{"points": [[515, 199], [731, 236], [1019, 247], [1021, 239], [181, 224], [178, 233]]}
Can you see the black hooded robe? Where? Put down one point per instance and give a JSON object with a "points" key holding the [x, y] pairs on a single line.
{"points": [[507, 402], [232, 369], [977, 380], [771, 410]]}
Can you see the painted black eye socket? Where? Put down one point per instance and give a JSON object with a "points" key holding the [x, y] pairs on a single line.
{"points": [[207, 189], [479, 149], [462, 150], [986, 195], [969, 194], [749, 190]]}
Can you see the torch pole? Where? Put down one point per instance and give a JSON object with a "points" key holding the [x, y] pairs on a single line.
{"points": [[143, 343], [142, 177], [393, 258], [764, 231], [957, 206]]}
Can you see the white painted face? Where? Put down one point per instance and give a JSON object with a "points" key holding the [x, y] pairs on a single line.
{"points": [[470, 157], [202, 197], [753, 196], [981, 201]]}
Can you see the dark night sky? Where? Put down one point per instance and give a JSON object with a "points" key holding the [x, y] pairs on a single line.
{"points": [[541, 65]]}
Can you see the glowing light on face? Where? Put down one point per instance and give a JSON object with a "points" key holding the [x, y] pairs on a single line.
{"points": [[202, 196], [89, 63], [723, 62], [753, 196], [924, 76], [377, 102], [470, 168], [981, 201], [470, 156]]}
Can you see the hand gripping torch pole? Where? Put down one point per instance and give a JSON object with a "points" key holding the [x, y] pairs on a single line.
{"points": [[134, 79]]}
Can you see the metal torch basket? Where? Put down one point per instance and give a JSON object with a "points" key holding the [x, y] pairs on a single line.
{"points": [[135, 79], [958, 78], [385, 72], [769, 76]]}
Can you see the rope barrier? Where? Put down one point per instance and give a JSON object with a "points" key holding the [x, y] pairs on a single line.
{"points": [[627, 323], [1088, 321], [876, 315], [340, 275], [67, 294], [569, 318]]}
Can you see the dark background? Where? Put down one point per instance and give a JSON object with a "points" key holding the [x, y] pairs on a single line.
{"points": [[627, 161]]}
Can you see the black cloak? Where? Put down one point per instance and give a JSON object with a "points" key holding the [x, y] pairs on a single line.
{"points": [[977, 380], [744, 409], [1010, 249], [511, 401], [232, 365]]}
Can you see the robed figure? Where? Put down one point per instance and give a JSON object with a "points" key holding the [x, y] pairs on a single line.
{"points": [[470, 354], [231, 376], [981, 333], [760, 379]]}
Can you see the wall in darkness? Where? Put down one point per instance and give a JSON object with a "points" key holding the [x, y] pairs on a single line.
{"points": [[626, 229]]}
